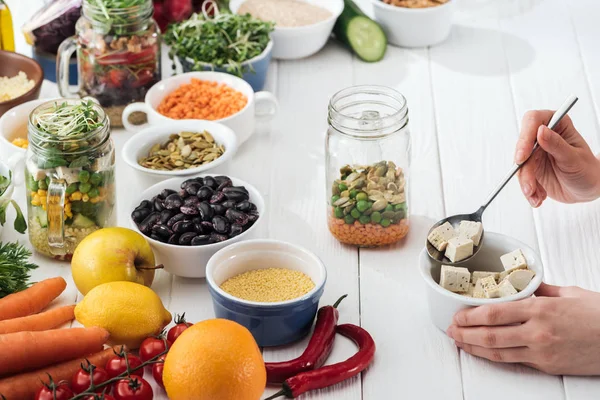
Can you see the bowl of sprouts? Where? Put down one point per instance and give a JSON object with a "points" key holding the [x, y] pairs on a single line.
{"points": [[240, 45]]}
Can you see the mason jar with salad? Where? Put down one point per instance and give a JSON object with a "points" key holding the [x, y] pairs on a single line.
{"points": [[69, 175], [118, 53]]}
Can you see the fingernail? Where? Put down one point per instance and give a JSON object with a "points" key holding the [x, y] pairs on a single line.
{"points": [[450, 331], [532, 201], [519, 156], [527, 189]]}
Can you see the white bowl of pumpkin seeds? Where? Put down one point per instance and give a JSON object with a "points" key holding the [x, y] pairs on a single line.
{"points": [[180, 148]]}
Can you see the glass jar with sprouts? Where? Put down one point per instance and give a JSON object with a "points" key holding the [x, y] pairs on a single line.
{"points": [[69, 175]]}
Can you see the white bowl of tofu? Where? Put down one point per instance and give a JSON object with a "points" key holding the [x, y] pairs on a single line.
{"points": [[503, 270]]}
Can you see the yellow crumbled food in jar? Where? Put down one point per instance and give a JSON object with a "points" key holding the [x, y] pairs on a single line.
{"points": [[20, 142], [14, 86], [269, 285]]}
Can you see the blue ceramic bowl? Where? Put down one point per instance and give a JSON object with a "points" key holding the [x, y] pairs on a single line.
{"points": [[254, 70], [48, 63], [271, 324]]}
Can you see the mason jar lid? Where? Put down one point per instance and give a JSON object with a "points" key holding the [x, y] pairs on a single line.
{"points": [[368, 111]]}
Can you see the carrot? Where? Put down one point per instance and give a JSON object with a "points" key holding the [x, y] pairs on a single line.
{"points": [[24, 386], [39, 322], [32, 300], [26, 351]]}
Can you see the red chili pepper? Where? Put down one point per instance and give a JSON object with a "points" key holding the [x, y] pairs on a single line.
{"points": [[318, 349], [332, 374]]}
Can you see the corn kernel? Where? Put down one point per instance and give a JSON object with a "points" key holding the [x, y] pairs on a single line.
{"points": [[42, 192], [76, 196], [33, 194], [85, 198], [95, 200], [35, 202]]}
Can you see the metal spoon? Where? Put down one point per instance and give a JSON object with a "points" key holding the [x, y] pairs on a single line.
{"points": [[455, 220]]}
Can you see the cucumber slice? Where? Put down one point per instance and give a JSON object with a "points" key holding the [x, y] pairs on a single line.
{"points": [[41, 216], [80, 221], [363, 35]]}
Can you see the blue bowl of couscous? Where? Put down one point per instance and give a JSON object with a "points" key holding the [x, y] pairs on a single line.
{"points": [[271, 287]]}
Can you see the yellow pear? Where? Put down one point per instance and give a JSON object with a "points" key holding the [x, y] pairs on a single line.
{"points": [[112, 255]]}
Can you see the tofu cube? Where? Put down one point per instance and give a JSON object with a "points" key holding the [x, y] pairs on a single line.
{"points": [[514, 260], [459, 249], [36, 173], [505, 288], [482, 285], [471, 230], [519, 279], [477, 275], [455, 279], [439, 236], [471, 291], [70, 175]]}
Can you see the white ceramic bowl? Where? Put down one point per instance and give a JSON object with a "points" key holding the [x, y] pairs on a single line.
{"points": [[443, 304], [190, 261], [139, 144], [291, 43], [414, 27], [261, 105]]}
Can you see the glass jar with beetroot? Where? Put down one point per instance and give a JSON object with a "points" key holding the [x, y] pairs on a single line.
{"points": [[118, 54]]}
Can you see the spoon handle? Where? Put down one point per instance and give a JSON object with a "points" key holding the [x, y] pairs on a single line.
{"points": [[556, 117]]}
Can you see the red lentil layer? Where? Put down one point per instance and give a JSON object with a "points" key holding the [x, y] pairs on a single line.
{"points": [[367, 234]]}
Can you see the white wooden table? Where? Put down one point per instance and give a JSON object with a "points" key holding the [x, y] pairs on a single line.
{"points": [[466, 98]]}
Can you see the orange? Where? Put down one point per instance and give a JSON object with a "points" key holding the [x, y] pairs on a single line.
{"points": [[215, 359]]}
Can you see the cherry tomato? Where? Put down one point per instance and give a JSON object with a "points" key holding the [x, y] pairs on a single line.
{"points": [[116, 77], [177, 330], [100, 397], [144, 77], [54, 391], [117, 365], [81, 380], [157, 371], [133, 389], [152, 347]]}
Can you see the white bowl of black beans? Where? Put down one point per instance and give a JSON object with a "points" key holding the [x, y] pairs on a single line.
{"points": [[187, 220]]}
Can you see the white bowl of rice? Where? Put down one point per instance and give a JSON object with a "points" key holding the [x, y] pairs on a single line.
{"points": [[302, 27]]}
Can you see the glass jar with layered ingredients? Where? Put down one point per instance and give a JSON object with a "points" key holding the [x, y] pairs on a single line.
{"points": [[368, 159], [69, 174], [118, 54]]}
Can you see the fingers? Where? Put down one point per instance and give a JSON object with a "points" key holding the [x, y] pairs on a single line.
{"points": [[495, 314], [495, 337], [511, 355], [546, 290], [529, 127], [556, 146]]}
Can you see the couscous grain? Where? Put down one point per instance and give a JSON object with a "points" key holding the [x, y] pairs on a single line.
{"points": [[269, 285], [14, 86]]}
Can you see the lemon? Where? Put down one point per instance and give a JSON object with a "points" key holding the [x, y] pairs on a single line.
{"points": [[129, 311]]}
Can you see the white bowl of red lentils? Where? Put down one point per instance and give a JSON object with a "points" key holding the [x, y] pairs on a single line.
{"points": [[271, 287]]}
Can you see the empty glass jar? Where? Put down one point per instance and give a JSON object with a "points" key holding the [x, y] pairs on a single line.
{"points": [[368, 159]]}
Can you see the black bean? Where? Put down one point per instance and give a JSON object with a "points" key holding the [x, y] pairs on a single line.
{"points": [[186, 238], [176, 218], [221, 224], [191, 201], [174, 239], [216, 238], [222, 179], [156, 237], [148, 222], [218, 197], [139, 214], [235, 230], [165, 192], [166, 215], [187, 182], [198, 228], [243, 206], [162, 231], [252, 218], [229, 203], [200, 180], [158, 204], [207, 226], [183, 194], [193, 188], [210, 182], [189, 210], [224, 185], [173, 201], [205, 193], [145, 204], [183, 226], [197, 220], [235, 189], [237, 217], [237, 196], [219, 209], [200, 240], [206, 211]]}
